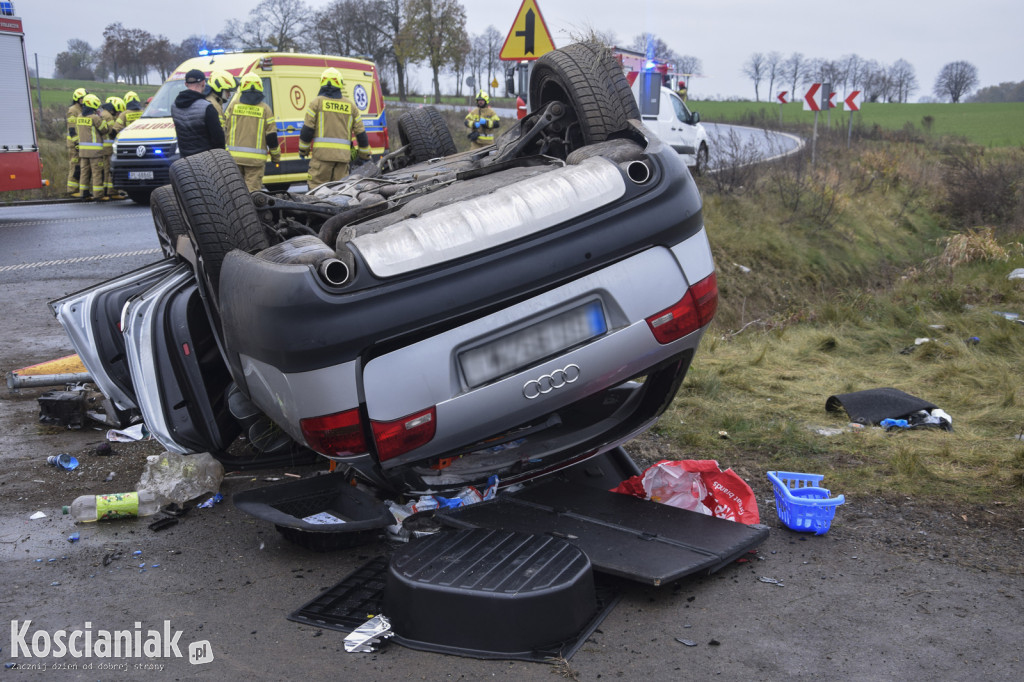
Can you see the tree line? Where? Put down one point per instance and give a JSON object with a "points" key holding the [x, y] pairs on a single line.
{"points": [[878, 82]]}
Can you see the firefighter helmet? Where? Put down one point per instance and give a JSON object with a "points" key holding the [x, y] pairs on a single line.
{"points": [[221, 81], [130, 97], [251, 81], [333, 77], [78, 95], [91, 101], [117, 102], [483, 96]]}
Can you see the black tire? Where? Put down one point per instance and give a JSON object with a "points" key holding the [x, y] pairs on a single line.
{"points": [[418, 130], [442, 133], [580, 77], [220, 214], [168, 219], [139, 196], [702, 160]]}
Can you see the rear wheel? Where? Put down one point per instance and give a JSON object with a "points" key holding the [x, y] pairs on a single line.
{"points": [[581, 77], [426, 134], [168, 219], [221, 216]]}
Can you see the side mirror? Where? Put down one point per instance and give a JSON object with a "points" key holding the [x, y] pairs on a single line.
{"points": [[694, 117]]}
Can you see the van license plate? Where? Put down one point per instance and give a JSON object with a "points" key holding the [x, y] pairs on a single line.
{"points": [[140, 175], [532, 344]]}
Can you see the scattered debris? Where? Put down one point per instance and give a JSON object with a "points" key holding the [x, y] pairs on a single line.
{"points": [[109, 478], [38, 515], [104, 450], [216, 499], [771, 581], [743, 268], [172, 477], [687, 642], [128, 435], [74, 537], [63, 461], [163, 523], [1017, 273], [369, 633]]}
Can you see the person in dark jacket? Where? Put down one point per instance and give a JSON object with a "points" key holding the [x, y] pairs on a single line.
{"points": [[196, 120]]}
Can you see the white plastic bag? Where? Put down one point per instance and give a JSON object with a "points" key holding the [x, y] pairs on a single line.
{"points": [[676, 487], [180, 478]]}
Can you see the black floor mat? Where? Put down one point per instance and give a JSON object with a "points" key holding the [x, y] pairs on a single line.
{"points": [[623, 536], [360, 595], [875, 404]]}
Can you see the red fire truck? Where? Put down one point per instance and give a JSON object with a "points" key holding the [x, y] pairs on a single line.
{"points": [[20, 167]]}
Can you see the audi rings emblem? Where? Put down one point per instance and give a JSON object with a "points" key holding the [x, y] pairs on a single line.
{"points": [[140, 151], [549, 382]]}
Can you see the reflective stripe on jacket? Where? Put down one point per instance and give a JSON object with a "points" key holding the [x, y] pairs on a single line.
{"points": [[247, 131], [74, 111], [490, 119], [91, 131], [334, 122]]}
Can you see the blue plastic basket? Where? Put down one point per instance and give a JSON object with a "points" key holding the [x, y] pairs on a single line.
{"points": [[801, 503]]}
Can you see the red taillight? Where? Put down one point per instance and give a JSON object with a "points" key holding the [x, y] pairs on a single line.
{"points": [[402, 435], [695, 310], [335, 434]]}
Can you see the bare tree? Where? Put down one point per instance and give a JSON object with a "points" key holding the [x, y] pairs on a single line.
{"points": [[955, 80], [754, 69], [689, 64], [459, 60], [853, 66], [77, 62], [125, 53], [436, 31], [493, 41], [477, 60], [658, 47], [793, 70], [162, 56], [903, 80], [277, 25], [773, 69]]}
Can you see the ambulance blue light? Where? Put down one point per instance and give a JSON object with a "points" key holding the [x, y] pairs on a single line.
{"points": [[203, 53], [158, 151], [649, 65]]}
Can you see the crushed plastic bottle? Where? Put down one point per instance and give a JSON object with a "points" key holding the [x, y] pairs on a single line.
{"points": [[180, 478], [89, 508]]}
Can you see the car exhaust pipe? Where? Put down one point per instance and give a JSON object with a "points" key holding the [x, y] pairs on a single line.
{"points": [[637, 171], [333, 271]]}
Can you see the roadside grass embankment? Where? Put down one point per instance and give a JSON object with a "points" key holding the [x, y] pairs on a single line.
{"points": [[985, 124], [829, 275]]}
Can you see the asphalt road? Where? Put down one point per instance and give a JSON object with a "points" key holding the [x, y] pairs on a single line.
{"points": [[891, 592]]}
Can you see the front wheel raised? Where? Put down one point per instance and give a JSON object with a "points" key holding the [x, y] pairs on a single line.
{"points": [[221, 216], [425, 134]]}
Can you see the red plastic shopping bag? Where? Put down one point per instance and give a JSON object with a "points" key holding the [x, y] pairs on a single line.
{"points": [[697, 485]]}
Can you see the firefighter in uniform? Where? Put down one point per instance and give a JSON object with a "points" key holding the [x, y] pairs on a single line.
{"points": [[91, 129], [482, 120], [251, 131], [74, 111], [330, 123], [218, 91], [108, 110], [682, 90], [130, 114]]}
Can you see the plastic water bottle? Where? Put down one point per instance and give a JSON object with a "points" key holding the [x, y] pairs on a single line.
{"points": [[88, 508]]}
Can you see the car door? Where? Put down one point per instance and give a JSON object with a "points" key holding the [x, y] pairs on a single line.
{"points": [[682, 125], [92, 320]]}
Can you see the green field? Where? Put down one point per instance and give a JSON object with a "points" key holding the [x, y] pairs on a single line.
{"points": [[990, 125], [58, 92]]}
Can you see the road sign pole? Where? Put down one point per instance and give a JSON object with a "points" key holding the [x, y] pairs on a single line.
{"points": [[849, 132], [814, 137]]}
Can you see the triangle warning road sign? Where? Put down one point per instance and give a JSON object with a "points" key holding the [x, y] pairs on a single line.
{"points": [[529, 37]]}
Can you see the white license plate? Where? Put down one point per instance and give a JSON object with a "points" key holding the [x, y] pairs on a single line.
{"points": [[532, 344], [140, 175]]}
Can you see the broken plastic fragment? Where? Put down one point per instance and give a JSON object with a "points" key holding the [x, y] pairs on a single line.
{"points": [[212, 501], [371, 632], [687, 642], [73, 537], [771, 581], [38, 515]]}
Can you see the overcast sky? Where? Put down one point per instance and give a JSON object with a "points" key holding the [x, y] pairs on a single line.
{"points": [[722, 33]]}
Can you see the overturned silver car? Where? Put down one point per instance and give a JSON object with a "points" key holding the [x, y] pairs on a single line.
{"points": [[432, 319]]}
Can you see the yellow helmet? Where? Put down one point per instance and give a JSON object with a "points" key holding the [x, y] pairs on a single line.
{"points": [[251, 81], [331, 76], [220, 81], [117, 102], [91, 101], [130, 97], [78, 95], [483, 96]]}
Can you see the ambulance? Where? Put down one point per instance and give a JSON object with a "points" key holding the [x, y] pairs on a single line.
{"points": [[144, 151]]}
